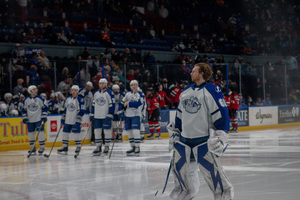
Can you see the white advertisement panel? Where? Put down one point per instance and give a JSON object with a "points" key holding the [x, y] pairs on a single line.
{"points": [[263, 115], [53, 125]]}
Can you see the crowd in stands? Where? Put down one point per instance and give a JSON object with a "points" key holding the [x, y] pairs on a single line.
{"points": [[250, 27]]}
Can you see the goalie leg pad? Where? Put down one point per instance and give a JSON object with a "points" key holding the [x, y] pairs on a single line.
{"points": [[182, 172], [213, 173]]}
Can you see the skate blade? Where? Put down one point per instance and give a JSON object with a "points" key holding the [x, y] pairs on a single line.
{"points": [[96, 154]]}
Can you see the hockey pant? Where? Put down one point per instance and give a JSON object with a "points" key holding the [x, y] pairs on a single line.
{"points": [[186, 178]]}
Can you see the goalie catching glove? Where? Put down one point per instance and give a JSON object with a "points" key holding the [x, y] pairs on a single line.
{"points": [[217, 142], [174, 134]]}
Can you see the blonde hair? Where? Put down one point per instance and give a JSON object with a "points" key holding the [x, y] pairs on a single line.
{"points": [[205, 68]]}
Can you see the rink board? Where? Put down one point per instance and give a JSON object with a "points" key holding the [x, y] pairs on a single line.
{"points": [[14, 134]]}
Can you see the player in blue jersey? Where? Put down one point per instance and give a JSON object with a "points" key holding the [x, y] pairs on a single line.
{"points": [[102, 113], [71, 119], [133, 105], [33, 113], [200, 137]]}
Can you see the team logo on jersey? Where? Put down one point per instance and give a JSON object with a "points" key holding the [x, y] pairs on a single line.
{"points": [[33, 107], [222, 102], [191, 105], [218, 89], [71, 107], [100, 101]]}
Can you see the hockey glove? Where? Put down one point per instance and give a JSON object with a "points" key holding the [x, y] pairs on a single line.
{"points": [[76, 127], [91, 117], [108, 118], [174, 134], [217, 142], [25, 120]]}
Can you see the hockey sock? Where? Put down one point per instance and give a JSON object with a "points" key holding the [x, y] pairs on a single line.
{"points": [[131, 137], [31, 139], [77, 139], [42, 139], [151, 127], [137, 137], [65, 137], [157, 127], [98, 136], [107, 136]]}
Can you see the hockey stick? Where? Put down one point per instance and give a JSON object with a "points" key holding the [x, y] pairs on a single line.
{"points": [[37, 136], [118, 125], [86, 133], [48, 155]]}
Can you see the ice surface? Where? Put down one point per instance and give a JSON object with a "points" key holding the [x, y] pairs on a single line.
{"points": [[262, 165]]}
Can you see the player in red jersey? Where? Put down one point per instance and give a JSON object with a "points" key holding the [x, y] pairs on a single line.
{"points": [[234, 107], [162, 97], [153, 113]]}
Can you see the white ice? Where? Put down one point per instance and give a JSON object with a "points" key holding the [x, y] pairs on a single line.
{"points": [[262, 165]]}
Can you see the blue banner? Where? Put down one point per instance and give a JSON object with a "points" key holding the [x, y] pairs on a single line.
{"points": [[243, 116]]}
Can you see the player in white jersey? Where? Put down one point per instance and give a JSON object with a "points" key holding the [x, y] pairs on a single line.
{"points": [[200, 136], [102, 113], [34, 112], [71, 119], [133, 103], [11, 107], [60, 102], [143, 116], [119, 95]]}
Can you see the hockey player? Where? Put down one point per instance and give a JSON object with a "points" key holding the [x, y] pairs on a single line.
{"points": [[117, 112], [162, 97], [60, 102], [102, 112], [71, 119], [143, 115], [20, 103], [175, 94], [53, 104], [132, 104], [153, 114], [200, 137], [234, 107], [11, 108], [34, 113]]}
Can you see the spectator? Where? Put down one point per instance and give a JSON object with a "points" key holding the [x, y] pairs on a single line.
{"points": [[31, 37], [127, 54], [46, 86], [34, 60], [62, 38], [19, 88], [127, 36], [149, 58], [259, 102], [20, 73], [163, 12], [152, 33], [267, 101], [18, 36], [250, 101], [136, 37], [151, 5], [135, 57], [71, 38], [65, 85], [85, 54], [105, 38], [293, 99], [137, 75], [44, 61], [130, 75], [34, 77]]}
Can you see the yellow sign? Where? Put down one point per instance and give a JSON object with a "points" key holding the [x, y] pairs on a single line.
{"points": [[13, 134]]}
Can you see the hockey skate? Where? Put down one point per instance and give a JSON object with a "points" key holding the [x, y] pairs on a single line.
{"points": [[106, 149], [97, 151], [137, 151], [131, 151], [150, 137], [77, 150], [158, 136], [63, 150], [33, 152], [41, 151], [234, 130]]}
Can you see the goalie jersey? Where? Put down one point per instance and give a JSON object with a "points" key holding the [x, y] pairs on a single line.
{"points": [[201, 108]]}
